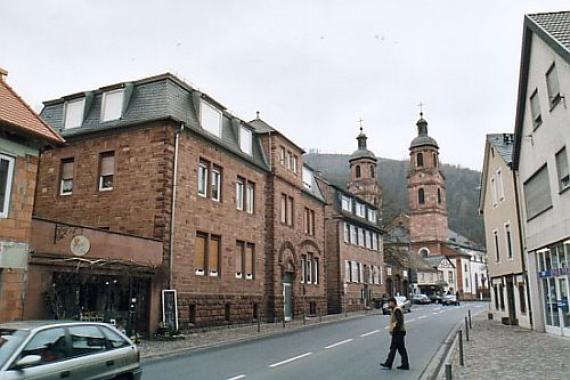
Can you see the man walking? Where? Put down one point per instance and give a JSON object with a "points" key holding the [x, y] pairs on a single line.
{"points": [[398, 332]]}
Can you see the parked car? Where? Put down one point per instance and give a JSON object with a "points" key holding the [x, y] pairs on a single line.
{"points": [[403, 302], [435, 298], [50, 350], [450, 299], [421, 299]]}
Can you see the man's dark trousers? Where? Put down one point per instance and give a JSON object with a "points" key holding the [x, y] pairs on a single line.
{"points": [[398, 344]]}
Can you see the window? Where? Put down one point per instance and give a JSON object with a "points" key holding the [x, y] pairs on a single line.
{"points": [[420, 160], [562, 169], [203, 178], [240, 193], [315, 271], [309, 269], [360, 210], [346, 232], [500, 188], [74, 113], [112, 105], [282, 155], [450, 277], [250, 197], [552, 85], [239, 259], [368, 236], [501, 297], [361, 241], [245, 140], [6, 175], [494, 192], [435, 163], [66, 181], [303, 268], [495, 291], [535, 109], [294, 164], [509, 241], [497, 253], [86, 340], [424, 252], [522, 298], [374, 241], [307, 178], [353, 234], [50, 344], [114, 340], [207, 254], [106, 171], [288, 159], [421, 197], [347, 271], [287, 210], [439, 195], [216, 183], [249, 261], [372, 215], [211, 119], [372, 171], [537, 193], [357, 171], [355, 270], [346, 203], [309, 221]]}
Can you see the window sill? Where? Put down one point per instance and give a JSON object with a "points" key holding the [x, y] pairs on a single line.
{"points": [[564, 190], [555, 102]]}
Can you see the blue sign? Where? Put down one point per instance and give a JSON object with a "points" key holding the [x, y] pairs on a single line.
{"points": [[563, 303], [554, 272]]}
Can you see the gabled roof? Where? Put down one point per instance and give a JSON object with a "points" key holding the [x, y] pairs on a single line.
{"points": [[261, 127], [554, 29], [19, 116]]}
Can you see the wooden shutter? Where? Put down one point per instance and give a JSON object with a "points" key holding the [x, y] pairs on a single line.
{"points": [[200, 251], [214, 255], [239, 259], [249, 261]]}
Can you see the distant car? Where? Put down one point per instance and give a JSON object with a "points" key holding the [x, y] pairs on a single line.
{"points": [[403, 302], [450, 299], [435, 298], [421, 299], [69, 350]]}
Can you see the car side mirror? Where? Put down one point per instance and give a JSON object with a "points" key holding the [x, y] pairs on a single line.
{"points": [[28, 361]]}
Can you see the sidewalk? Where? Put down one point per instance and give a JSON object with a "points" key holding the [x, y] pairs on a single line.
{"points": [[496, 351], [224, 335]]}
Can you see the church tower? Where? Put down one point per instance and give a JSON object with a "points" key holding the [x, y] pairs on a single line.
{"points": [[426, 193], [363, 173]]}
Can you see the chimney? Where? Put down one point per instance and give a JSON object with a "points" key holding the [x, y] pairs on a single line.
{"points": [[3, 74]]}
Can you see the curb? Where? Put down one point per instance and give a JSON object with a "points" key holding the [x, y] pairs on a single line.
{"points": [[235, 342]]}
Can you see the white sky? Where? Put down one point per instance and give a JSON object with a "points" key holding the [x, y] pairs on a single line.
{"points": [[312, 68]]}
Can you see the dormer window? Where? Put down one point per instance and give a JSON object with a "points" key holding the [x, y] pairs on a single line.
{"points": [[112, 105], [360, 210], [245, 140], [307, 178], [346, 203], [372, 216], [211, 119], [74, 113]]}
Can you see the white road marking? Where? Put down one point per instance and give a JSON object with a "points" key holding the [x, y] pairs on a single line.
{"points": [[290, 360], [369, 333], [435, 313], [411, 320], [422, 317], [338, 343], [237, 377]]}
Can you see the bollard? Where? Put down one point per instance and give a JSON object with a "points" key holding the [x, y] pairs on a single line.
{"points": [[461, 362], [470, 321], [466, 330], [448, 374]]}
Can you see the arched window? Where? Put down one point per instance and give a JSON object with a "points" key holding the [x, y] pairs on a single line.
{"points": [[372, 171], [438, 195], [420, 160], [421, 196], [357, 171], [434, 160], [424, 252]]}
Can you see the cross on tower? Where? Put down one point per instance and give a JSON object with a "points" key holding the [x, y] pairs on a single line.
{"points": [[360, 122], [421, 105]]}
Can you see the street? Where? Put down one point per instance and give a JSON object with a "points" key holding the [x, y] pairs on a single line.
{"points": [[346, 350]]}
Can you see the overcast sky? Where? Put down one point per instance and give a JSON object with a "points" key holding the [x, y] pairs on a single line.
{"points": [[313, 68]]}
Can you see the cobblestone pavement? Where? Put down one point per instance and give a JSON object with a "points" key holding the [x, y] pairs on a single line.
{"points": [[496, 351], [224, 335]]}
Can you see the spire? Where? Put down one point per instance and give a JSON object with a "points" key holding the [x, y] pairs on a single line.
{"points": [[422, 125]]}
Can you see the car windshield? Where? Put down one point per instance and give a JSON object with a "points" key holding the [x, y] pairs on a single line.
{"points": [[9, 342]]}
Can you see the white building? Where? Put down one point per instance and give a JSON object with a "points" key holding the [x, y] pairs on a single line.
{"points": [[540, 157]]}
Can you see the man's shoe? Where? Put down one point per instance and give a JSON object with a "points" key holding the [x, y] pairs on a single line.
{"points": [[385, 366], [405, 368]]}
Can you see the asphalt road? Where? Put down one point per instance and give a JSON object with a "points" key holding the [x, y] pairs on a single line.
{"points": [[350, 349]]}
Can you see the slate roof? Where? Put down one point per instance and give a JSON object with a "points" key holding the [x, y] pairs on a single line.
{"points": [[161, 97], [503, 144], [404, 259], [457, 239], [19, 116], [557, 24]]}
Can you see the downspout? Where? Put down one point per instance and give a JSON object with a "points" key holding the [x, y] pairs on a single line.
{"points": [[523, 248], [173, 209]]}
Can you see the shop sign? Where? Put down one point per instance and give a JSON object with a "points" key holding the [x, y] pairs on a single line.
{"points": [[563, 303], [554, 272]]}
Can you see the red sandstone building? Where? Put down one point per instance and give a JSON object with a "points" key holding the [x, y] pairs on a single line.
{"points": [[241, 236], [22, 135]]}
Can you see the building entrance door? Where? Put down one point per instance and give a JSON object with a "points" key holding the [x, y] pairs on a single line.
{"points": [[288, 296], [563, 290], [511, 299]]}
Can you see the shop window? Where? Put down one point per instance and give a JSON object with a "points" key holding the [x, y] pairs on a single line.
{"points": [[106, 171]]}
